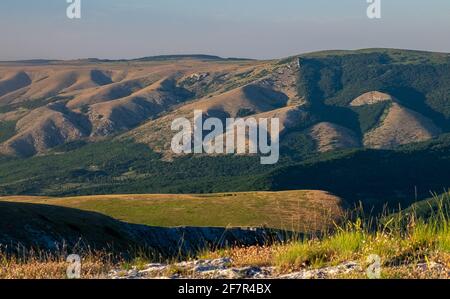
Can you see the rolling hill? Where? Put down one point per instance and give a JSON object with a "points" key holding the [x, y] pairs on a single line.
{"points": [[367, 125], [157, 223], [302, 211]]}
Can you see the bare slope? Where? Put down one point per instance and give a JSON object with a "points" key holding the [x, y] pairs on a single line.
{"points": [[140, 98], [371, 98], [401, 126], [128, 112], [44, 128], [96, 99], [328, 137]]}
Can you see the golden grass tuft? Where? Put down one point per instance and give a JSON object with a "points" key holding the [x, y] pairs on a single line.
{"points": [[43, 265]]}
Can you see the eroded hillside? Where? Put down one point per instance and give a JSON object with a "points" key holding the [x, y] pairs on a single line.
{"points": [[335, 100]]}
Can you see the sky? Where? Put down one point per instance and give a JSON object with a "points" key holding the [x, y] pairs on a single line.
{"points": [[260, 29]]}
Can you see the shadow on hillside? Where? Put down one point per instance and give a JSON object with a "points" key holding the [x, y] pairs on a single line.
{"points": [[60, 229], [376, 179]]}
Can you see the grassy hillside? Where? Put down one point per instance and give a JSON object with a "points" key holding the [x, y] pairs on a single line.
{"points": [[430, 208], [409, 247], [401, 245], [292, 210], [370, 176]]}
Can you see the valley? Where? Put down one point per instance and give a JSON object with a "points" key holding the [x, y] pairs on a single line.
{"points": [[102, 127], [86, 159]]}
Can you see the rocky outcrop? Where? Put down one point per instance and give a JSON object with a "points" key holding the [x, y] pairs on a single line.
{"points": [[221, 269]]}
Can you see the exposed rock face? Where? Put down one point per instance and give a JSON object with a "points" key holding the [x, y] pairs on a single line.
{"points": [[324, 273], [222, 269]]}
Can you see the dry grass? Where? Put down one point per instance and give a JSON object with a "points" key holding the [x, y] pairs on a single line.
{"points": [[410, 271], [402, 242], [107, 89], [407, 245], [401, 126], [302, 211], [329, 137], [259, 256], [39, 265]]}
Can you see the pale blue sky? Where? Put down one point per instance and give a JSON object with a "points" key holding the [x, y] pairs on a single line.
{"points": [[237, 28]]}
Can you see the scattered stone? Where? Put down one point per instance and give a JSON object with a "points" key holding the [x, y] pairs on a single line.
{"points": [[153, 268], [221, 269], [212, 265], [324, 273], [431, 266], [240, 273]]}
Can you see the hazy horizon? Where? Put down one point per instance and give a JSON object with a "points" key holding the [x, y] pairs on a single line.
{"points": [[209, 54], [256, 29]]}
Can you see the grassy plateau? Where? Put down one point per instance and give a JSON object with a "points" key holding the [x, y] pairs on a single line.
{"points": [[290, 210]]}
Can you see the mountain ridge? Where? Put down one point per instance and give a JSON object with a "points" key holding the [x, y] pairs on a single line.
{"points": [[105, 128], [116, 98]]}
